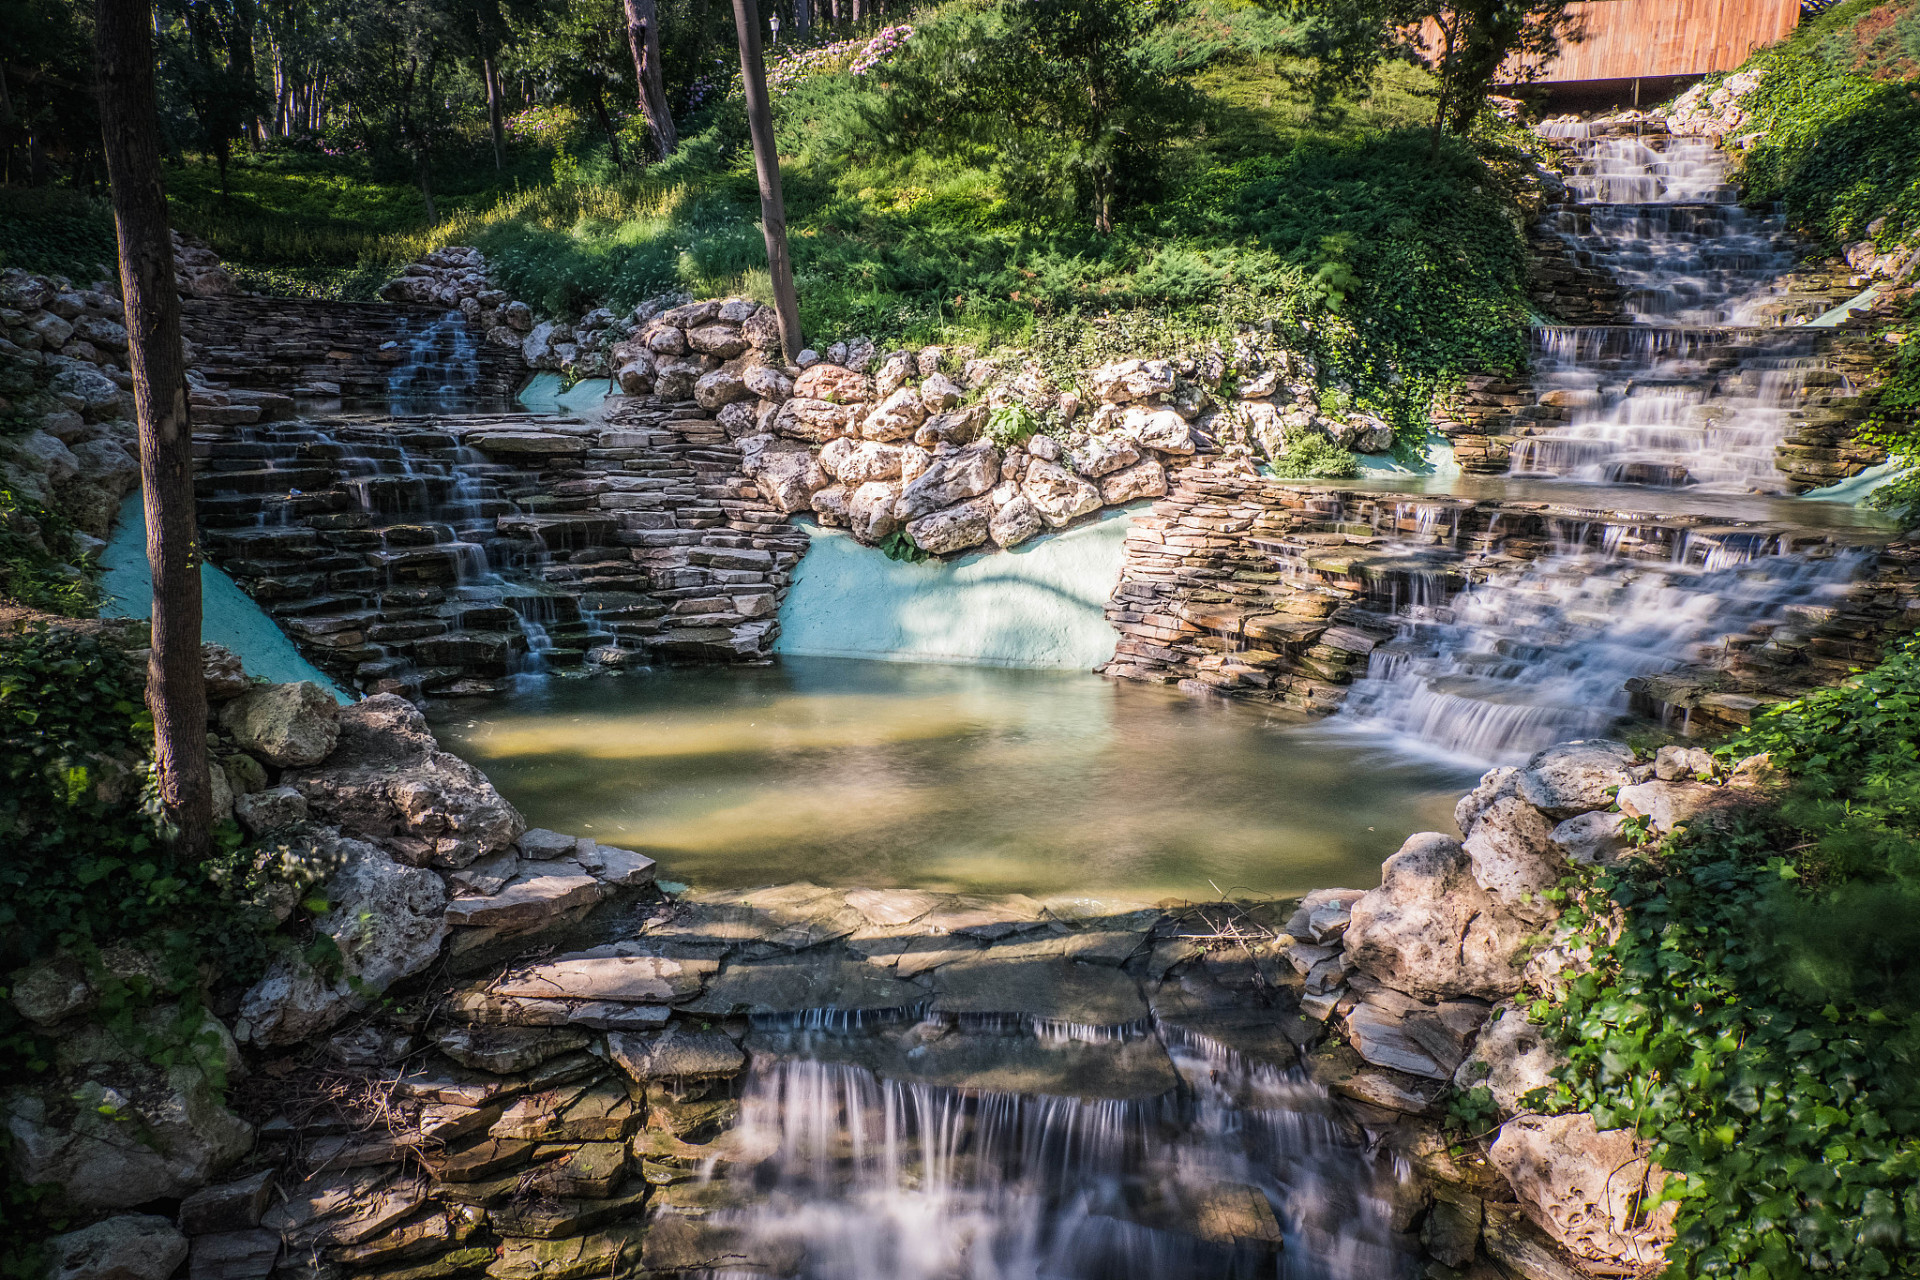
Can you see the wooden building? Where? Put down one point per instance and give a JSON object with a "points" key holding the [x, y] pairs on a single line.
{"points": [[1649, 49]]}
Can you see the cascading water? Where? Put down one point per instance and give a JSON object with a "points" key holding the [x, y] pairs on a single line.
{"points": [[1694, 391], [441, 368], [1528, 659], [847, 1175]]}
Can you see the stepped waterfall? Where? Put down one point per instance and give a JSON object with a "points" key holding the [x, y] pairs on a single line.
{"points": [[1693, 393]]}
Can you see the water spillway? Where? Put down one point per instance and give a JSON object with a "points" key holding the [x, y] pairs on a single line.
{"points": [[1699, 387]]}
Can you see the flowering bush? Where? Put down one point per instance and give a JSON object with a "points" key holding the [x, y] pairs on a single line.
{"points": [[789, 69], [544, 126], [890, 41]]}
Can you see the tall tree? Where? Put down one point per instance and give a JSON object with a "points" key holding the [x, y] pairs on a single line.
{"points": [[1464, 44], [176, 689], [643, 37], [766, 160]]}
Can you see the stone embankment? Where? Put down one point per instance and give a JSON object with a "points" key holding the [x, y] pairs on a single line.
{"points": [[411, 554], [1282, 591], [571, 1106], [326, 350]]}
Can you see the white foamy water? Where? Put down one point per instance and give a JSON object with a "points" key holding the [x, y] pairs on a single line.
{"points": [[1528, 659], [851, 1176], [1691, 394]]}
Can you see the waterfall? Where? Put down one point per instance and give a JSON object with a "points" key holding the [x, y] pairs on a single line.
{"points": [[1530, 658], [1697, 391], [441, 369], [846, 1174]]}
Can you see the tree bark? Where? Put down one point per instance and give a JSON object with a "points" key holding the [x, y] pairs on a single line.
{"points": [[492, 77], [176, 689], [643, 37], [766, 161]]}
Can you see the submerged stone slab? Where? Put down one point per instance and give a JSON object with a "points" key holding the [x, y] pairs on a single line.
{"points": [[788, 986], [1042, 988], [787, 917]]}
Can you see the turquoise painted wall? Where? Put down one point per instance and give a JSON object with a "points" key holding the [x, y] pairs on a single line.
{"points": [[1038, 605], [228, 615]]}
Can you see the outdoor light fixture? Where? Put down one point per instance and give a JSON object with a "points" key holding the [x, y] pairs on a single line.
{"points": [[773, 25]]}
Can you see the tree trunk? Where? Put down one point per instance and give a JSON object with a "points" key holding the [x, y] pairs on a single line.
{"points": [[766, 160], [492, 77], [643, 37], [606, 127], [802, 16], [176, 690]]}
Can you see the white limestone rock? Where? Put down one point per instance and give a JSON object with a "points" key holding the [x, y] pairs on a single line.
{"points": [[1431, 931], [1056, 493], [950, 529]]}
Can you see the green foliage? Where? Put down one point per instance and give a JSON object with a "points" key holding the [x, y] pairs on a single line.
{"points": [[899, 546], [1071, 104], [1310, 454], [1837, 118], [37, 552], [1754, 1006], [1895, 420], [56, 232], [1011, 424]]}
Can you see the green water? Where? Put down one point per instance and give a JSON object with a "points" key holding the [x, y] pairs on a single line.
{"points": [[850, 772]]}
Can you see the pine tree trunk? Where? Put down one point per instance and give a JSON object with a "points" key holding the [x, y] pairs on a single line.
{"points": [[766, 161], [643, 37], [176, 690]]}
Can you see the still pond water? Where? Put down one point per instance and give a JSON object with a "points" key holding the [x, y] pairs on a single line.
{"points": [[849, 772]]}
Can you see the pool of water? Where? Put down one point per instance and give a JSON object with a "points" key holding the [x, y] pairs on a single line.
{"points": [[850, 772]]}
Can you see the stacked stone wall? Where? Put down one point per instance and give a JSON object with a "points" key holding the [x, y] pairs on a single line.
{"points": [[324, 347]]}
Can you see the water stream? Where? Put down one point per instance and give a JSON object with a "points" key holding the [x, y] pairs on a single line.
{"points": [[1240, 1171], [1695, 391]]}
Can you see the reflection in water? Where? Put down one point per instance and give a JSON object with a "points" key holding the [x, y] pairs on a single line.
{"points": [[874, 773]]}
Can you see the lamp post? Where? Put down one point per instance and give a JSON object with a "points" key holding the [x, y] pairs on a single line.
{"points": [[773, 25]]}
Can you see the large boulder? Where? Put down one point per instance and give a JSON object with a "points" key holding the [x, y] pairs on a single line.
{"points": [[1161, 429], [1125, 380], [720, 340], [1512, 1058], [388, 781], [1576, 777], [1585, 1188], [1145, 479], [130, 1133], [721, 387], [832, 382], [133, 1246], [1666, 805], [290, 725], [1514, 857], [387, 921], [1097, 455], [870, 510], [1014, 522], [858, 462], [1430, 930], [953, 477], [787, 475], [894, 418], [1056, 493], [953, 528], [804, 418]]}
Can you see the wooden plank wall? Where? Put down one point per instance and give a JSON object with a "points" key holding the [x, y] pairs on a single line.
{"points": [[1629, 39]]}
